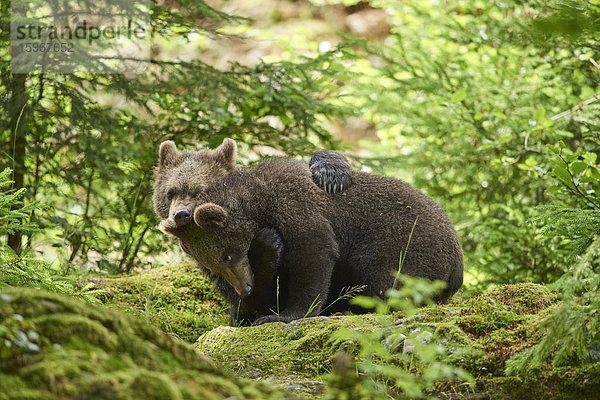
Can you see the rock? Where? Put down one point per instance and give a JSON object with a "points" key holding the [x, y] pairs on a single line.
{"points": [[393, 341], [54, 346], [424, 338]]}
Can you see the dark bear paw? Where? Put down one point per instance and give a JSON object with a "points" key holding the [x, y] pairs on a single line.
{"points": [[268, 239], [331, 171], [265, 251]]}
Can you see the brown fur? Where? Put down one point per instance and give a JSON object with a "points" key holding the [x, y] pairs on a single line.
{"points": [[182, 175], [329, 242]]}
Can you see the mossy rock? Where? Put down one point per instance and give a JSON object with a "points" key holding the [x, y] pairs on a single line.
{"points": [[304, 347], [55, 346], [524, 298], [294, 356]]}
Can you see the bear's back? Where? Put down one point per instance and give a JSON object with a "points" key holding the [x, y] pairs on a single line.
{"points": [[288, 187], [387, 199], [378, 218]]}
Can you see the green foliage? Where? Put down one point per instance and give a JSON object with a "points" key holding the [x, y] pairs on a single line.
{"points": [[408, 364], [25, 270], [570, 332], [571, 19], [13, 213], [86, 143], [575, 215], [408, 297], [573, 330]]}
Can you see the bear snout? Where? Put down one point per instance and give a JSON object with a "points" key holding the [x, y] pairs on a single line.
{"points": [[182, 217]]}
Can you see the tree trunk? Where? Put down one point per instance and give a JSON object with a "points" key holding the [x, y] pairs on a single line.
{"points": [[18, 141]]}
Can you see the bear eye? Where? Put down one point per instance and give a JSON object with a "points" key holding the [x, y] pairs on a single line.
{"points": [[227, 258], [170, 195]]}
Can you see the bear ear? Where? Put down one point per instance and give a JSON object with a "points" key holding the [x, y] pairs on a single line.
{"points": [[166, 153], [225, 154], [210, 215]]}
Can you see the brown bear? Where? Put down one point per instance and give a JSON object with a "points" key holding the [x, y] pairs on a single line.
{"points": [[182, 175], [330, 242]]}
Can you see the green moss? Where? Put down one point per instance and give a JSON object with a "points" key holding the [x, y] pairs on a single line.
{"points": [[483, 315], [565, 383], [305, 347], [87, 352], [59, 326], [178, 299], [479, 334], [505, 321], [523, 298]]}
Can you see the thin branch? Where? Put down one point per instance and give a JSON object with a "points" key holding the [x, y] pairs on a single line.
{"points": [[580, 105]]}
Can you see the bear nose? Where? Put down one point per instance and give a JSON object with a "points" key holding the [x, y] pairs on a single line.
{"points": [[247, 290], [182, 217]]}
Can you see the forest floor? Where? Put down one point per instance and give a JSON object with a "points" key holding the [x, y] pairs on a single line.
{"points": [[478, 333]]}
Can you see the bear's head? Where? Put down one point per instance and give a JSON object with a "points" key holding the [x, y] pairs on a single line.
{"points": [[182, 175], [219, 242]]}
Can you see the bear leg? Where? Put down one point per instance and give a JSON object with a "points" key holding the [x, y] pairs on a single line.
{"points": [[308, 261]]}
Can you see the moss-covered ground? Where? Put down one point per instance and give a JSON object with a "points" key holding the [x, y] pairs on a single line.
{"points": [[178, 299], [480, 334], [66, 348], [58, 347]]}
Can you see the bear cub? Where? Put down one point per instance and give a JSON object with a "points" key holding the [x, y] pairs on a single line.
{"points": [[330, 242]]}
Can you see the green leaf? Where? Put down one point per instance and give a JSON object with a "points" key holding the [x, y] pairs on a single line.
{"points": [[458, 96], [539, 114], [559, 170], [553, 189], [571, 157], [593, 172], [553, 149], [591, 157], [578, 167], [86, 287], [364, 302]]}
